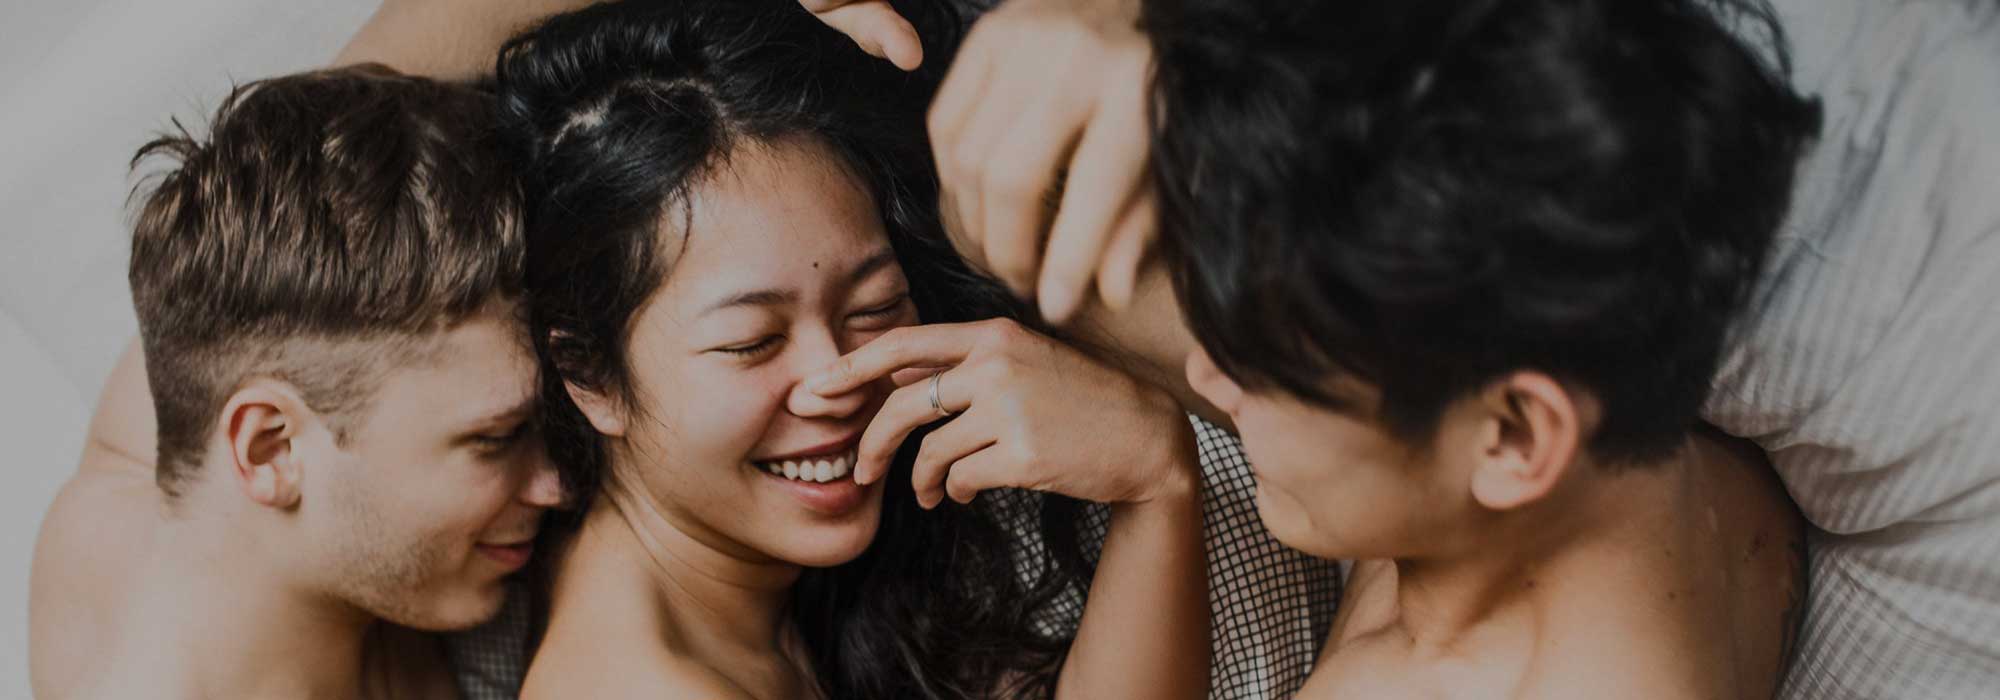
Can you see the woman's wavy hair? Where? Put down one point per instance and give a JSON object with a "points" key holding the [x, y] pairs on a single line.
{"points": [[1427, 194], [616, 112]]}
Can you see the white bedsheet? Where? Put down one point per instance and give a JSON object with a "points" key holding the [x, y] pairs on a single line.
{"points": [[82, 84], [1870, 369]]}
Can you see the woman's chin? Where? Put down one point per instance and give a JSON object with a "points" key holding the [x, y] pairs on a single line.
{"points": [[828, 545]]}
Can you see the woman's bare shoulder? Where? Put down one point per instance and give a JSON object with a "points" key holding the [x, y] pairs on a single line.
{"points": [[608, 670]]}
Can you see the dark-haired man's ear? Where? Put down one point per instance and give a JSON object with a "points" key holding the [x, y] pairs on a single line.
{"points": [[261, 422], [1531, 429]]}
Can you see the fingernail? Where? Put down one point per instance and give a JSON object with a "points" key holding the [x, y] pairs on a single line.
{"points": [[1058, 302]]}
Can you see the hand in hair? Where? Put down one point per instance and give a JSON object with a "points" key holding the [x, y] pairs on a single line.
{"points": [[874, 26], [1047, 98]]}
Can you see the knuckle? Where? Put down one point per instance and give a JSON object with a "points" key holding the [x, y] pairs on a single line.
{"points": [[966, 159], [1000, 331], [1007, 263], [1013, 179], [1024, 454]]}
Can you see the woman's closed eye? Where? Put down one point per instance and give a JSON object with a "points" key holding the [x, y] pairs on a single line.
{"points": [[751, 349], [887, 310]]}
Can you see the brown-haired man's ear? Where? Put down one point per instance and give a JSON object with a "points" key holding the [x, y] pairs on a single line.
{"points": [[1531, 430], [261, 421]]}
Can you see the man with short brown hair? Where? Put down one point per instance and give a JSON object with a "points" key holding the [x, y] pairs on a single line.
{"points": [[326, 286]]}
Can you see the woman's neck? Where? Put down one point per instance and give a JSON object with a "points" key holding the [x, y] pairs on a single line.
{"points": [[712, 599]]}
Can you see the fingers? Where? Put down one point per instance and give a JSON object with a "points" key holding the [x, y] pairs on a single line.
{"points": [[950, 115], [1014, 186], [1105, 177], [874, 26], [902, 413], [989, 468], [1118, 277], [936, 345], [942, 448], [912, 375]]}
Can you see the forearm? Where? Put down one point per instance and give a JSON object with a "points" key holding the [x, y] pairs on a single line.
{"points": [[450, 39], [1145, 630]]}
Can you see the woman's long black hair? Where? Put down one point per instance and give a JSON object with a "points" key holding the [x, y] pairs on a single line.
{"points": [[616, 111]]}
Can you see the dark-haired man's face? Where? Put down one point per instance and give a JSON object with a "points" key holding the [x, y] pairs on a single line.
{"points": [[439, 489], [1336, 484]]}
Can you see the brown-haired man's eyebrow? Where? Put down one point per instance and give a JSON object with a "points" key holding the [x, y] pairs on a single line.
{"points": [[502, 416]]}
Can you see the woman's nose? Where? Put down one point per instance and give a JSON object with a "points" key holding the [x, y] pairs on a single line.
{"points": [[815, 355], [806, 404]]}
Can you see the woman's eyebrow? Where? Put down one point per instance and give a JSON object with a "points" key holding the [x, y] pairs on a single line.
{"points": [[760, 297], [776, 296], [882, 258]]}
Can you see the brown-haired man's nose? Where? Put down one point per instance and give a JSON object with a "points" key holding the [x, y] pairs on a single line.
{"points": [[543, 488]]}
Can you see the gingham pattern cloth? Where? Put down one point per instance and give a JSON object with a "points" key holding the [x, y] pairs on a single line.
{"points": [[490, 660], [1271, 605]]}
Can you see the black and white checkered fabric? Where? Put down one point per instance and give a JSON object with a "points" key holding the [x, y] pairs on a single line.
{"points": [[491, 660], [1271, 605]]}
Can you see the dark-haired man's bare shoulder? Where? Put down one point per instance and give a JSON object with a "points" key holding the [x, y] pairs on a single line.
{"points": [[1701, 601]]}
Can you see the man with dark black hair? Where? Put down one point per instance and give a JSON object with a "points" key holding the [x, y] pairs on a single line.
{"points": [[1462, 273], [1865, 365]]}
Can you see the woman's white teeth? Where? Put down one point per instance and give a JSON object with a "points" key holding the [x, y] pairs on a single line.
{"points": [[819, 470]]}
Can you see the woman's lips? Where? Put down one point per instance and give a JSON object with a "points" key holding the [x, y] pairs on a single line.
{"points": [[835, 496]]}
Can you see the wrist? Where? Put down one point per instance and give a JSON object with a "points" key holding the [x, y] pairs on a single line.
{"points": [[1179, 475]]}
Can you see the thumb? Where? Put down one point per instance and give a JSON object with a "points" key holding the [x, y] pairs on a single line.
{"points": [[876, 28]]}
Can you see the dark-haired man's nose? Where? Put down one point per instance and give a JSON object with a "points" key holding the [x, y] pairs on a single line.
{"points": [[1209, 381]]}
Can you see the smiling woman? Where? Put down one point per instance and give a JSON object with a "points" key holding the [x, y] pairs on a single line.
{"points": [[725, 197]]}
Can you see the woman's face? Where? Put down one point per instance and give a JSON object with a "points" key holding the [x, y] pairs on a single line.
{"points": [[786, 267]]}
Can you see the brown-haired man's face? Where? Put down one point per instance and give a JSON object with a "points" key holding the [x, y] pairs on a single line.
{"points": [[437, 494]]}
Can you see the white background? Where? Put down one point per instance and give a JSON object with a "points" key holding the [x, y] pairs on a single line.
{"points": [[82, 84]]}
